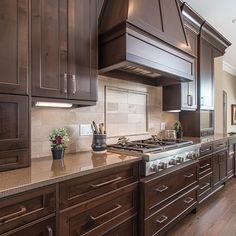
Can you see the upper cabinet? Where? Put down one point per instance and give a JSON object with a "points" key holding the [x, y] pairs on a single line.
{"points": [[14, 46], [64, 49]]}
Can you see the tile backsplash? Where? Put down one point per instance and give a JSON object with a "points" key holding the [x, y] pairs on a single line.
{"points": [[127, 108]]}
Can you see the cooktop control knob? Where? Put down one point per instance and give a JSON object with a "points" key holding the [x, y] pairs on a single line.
{"points": [[190, 156], [173, 162], [153, 168], [179, 159], [162, 166]]}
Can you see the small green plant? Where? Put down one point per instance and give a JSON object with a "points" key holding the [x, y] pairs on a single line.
{"points": [[177, 126], [58, 138]]}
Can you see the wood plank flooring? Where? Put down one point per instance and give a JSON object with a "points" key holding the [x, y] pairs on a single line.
{"points": [[215, 217]]}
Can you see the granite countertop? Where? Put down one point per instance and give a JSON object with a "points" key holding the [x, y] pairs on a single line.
{"points": [[44, 171]]}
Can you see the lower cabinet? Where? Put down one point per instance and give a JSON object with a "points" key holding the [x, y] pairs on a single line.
{"points": [[219, 173], [44, 228], [231, 162]]}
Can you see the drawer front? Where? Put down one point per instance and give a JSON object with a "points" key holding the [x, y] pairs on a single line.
{"points": [[170, 213], [24, 208], [44, 228], [129, 228], [205, 165], [205, 185], [161, 189], [87, 187], [218, 145], [100, 215], [206, 149]]}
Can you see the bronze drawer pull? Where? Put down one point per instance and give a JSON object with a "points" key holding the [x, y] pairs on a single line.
{"points": [[162, 219], [105, 183], [189, 175], [202, 167], [74, 84], [50, 231], [206, 150], [205, 186], [65, 83], [221, 145], [188, 200], [118, 206], [161, 189], [13, 215]]}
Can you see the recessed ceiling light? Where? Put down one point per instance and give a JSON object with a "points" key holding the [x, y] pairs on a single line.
{"points": [[234, 20]]}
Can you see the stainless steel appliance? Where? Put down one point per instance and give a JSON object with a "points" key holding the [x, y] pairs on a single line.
{"points": [[158, 155]]}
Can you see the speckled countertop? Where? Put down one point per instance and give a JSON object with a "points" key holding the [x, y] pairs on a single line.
{"points": [[44, 171]]}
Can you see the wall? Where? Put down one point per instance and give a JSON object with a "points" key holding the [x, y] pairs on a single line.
{"points": [[45, 119], [227, 82]]}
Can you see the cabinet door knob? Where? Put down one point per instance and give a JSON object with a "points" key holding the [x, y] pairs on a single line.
{"points": [[50, 231], [74, 84], [65, 83]]}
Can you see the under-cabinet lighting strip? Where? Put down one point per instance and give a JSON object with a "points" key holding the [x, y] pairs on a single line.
{"points": [[53, 104]]}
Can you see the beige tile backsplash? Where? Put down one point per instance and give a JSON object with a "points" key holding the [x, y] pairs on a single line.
{"points": [[131, 108]]}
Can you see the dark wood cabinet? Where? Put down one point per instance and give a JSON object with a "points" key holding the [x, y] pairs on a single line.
{"points": [[14, 132], [22, 210], [64, 49], [14, 46]]}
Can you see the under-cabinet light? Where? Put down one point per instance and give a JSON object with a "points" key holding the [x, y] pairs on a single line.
{"points": [[52, 104], [173, 111]]}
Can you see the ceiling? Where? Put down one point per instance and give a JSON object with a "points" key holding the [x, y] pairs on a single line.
{"points": [[219, 14]]}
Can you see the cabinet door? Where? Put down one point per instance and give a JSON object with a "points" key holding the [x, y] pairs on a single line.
{"points": [[49, 48], [215, 170], [13, 131], [44, 228], [223, 164], [14, 46], [82, 46], [206, 76], [189, 90], [230, 164]]}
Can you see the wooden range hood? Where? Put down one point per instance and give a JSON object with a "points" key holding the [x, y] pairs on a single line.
{"points": [[144, 41]]}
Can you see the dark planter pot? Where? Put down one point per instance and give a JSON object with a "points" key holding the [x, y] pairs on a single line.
{"points": [[58, 154]]}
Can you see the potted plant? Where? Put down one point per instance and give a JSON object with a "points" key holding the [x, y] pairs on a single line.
{"points": [[178, 129], [58, 138]]}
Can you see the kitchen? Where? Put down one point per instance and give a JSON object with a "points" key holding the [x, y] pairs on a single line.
{"points": [[156, 65]]}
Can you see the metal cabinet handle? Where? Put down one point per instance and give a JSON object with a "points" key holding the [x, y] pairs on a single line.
{"points": [[161, 189], [105, 183], [50, 231], [202, 167], [189, 175], [205, 186], [65, 83], [188, 200], [162, 219], [74, 84], [13, 215], [118, 206], [202, 101], [189, 100]]}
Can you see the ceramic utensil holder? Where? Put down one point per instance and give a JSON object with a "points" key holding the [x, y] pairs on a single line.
{"points": [[99, 143]]}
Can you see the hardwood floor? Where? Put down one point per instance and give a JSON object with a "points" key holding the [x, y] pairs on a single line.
{"points": [[215, 217]]}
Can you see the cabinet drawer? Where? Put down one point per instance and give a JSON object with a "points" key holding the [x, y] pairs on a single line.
{"points": [[87, 187], [205, 165], [129, 227], [206, 149], [170, 213], [218, 145], [205, 184], [44, 228], [159, 190], [100, 215], [21, 209]]}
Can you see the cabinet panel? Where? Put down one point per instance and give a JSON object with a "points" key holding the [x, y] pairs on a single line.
{"points": [[82, 45], [49, 48], [14, 131], [18, 210], [215, 170], [44, 228], [230, 162], [14, 46]]}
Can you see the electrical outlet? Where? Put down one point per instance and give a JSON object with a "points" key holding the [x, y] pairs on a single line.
{"points": [[85, 129], [162, 125]]}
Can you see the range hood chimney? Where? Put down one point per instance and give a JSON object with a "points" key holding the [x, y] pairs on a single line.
{"points": [[146, 40]]}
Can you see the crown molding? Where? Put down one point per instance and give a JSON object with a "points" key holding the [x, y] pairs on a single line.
{"points": [[229, 68]]}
